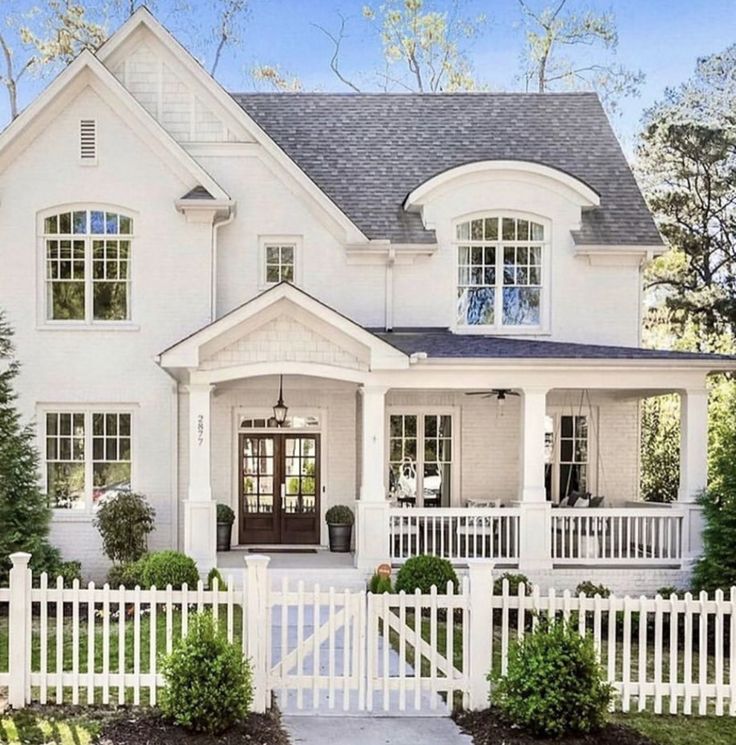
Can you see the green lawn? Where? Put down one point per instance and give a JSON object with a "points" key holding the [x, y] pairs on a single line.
{"points": [[681, 730], [30, 727]]}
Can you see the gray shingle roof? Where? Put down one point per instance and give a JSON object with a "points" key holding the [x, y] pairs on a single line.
{"points": [[443, 343], [367, 152]]}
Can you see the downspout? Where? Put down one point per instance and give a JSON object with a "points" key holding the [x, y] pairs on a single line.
{"points": [[216, 225]]}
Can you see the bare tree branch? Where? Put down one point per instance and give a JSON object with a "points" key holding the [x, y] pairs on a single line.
{"points": [[337, 42]]}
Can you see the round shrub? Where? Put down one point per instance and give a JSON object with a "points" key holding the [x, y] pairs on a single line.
{"points": [[167, 568], [124, 574], [208, 682], [339, 514], [225, 514], [514, 581], [591, 589], [424, 571], [554, 684]]}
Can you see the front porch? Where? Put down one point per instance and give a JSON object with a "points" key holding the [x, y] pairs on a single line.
{"points": [[428, 465]]}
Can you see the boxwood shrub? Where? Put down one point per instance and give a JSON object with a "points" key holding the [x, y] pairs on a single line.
{"points": [[554, 684], [163, 568], [208, 682], [424, 571]]}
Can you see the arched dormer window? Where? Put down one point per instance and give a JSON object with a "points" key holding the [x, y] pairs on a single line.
{"points": [[87, 266], [501, 272]]}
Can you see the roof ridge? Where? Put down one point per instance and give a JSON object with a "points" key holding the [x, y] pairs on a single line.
{"points": [[423, 94]]}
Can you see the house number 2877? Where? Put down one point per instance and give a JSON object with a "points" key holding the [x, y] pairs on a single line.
{"points": [[200, 429]]}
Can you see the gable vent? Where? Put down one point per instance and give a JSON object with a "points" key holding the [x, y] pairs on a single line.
{"points": [[88, 141]]}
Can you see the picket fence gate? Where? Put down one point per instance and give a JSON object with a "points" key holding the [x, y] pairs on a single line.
{"points": [[321, 649]]}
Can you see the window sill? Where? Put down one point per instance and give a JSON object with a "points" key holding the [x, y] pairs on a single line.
{"points": [[64, 326], [70, 516], [495, 331]]}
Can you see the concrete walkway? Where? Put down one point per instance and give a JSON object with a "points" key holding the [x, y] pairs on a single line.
{"points": [[374, 731]]}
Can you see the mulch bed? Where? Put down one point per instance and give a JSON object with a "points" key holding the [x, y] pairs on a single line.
{"points": [[488, 728], [151, 729]]}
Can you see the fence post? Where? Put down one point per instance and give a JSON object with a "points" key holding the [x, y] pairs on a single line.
{"points": [[20, 597], [480, 575], [257, 621]]}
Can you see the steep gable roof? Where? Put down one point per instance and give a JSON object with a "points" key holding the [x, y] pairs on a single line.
{"points": [[367, 152]]}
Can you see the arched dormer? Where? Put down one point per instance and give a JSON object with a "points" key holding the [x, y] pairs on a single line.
{"points": [[525, 172]]}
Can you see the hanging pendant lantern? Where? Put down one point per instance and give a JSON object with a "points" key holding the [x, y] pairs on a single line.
{"points": [[280, 409]]}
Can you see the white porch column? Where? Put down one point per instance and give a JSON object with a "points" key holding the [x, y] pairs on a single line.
{"points": [[535, 545], [371, 543], [200, 511], [693, 467]]}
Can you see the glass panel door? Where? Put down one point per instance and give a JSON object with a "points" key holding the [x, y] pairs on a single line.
{"points": [[259, 491]]}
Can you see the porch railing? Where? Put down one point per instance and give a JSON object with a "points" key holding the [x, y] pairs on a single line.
{"points": [[617, 536], [592, 537], [455, 533]]}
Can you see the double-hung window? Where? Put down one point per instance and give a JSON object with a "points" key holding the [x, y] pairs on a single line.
{"points": [[420, 457], [500, 272], [280, 260], [87, 456], [87, 266]]}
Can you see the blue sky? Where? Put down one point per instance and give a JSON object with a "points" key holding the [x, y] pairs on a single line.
{"points": [[661, 37]]}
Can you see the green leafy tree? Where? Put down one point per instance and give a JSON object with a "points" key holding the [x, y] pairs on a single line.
{"points": [[660, 448], [557, 53], [686, 162], [24, 511]]}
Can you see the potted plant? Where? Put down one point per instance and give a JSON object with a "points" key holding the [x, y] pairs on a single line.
{"points": [[340, 521], [225, 520]]}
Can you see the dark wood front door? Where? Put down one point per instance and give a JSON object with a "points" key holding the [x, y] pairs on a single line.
{"points": [[279, 488]]}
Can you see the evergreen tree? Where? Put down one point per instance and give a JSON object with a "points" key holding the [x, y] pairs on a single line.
{"points": [[24, 512]]}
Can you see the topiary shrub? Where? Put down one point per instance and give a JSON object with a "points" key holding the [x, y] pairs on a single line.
{"points": [[339, 514], [514, 581], [422, 572], [378, 584], [225, 514], [167, 568], [554, 684], [124, 521], [215, 575], [591, 589], [208, 682]]}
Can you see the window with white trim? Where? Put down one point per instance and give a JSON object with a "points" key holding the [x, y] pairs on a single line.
{"points": [[420, 459], [567, 456], [280, 262], [500, 278], [87, 457], [87, 266]]}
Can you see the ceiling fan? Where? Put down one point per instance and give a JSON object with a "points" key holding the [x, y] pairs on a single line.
{"points": [[499, 393]]}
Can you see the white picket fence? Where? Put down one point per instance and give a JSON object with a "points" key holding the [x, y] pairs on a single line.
{"points": [[319, 649]]}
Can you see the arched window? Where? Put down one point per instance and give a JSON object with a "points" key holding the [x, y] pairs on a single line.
{"points": [[500, 272], [87, 266]]}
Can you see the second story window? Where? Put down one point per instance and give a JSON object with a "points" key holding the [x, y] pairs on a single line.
{"points": [[87, 266], [500, 262], [280, 262]]}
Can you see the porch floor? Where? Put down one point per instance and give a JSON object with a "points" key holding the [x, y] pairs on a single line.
{"points": [[321, 567]]}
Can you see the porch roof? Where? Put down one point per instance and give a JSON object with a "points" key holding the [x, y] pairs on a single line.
{"points": [[444, 344]]}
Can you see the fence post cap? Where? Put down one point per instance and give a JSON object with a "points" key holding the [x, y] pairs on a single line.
{"points": [[257, 560], [20, 559]]}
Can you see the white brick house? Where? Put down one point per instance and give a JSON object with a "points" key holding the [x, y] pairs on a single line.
{"points": [[172, 252]]}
